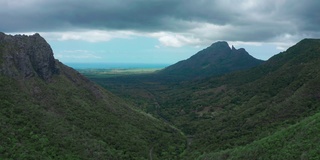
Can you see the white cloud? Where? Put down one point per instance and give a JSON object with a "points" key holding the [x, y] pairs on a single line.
{"points": [[211, 32], [18, 4], [239, 43], [87, 35], [284, 41], [157, 46], [169, 39]]}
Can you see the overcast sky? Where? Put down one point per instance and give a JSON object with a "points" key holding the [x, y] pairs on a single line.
{"points": [[160, 31]]}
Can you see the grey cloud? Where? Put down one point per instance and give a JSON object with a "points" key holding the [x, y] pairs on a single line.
{"points": [[61, 15], [112, 14], [250, 20], [305, 15]]}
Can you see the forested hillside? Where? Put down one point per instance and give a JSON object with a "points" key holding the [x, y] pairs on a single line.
{"points": [[217, 59], [261, 112], [50, 111]]}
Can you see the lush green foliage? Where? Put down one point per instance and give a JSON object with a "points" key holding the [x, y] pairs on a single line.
{"points": [[298, 141], [268, 112], [230, 113], [69, 117]]}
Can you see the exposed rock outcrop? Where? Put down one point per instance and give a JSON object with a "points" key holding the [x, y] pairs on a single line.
{"points": [[24, 56]]}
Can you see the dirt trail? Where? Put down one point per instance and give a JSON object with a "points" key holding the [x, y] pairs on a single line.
{"points": [[150, 153]]}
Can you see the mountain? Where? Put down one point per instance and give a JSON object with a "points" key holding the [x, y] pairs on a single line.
{"points": [[50, 111], [215, 60], [23, 57], [297, 141], [260, 112], [270, 111]]}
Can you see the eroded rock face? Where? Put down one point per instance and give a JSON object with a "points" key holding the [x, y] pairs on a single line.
{"points": [[24, 56]]}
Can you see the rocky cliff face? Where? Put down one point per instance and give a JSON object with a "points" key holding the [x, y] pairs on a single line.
{"points": [[24, 56]]}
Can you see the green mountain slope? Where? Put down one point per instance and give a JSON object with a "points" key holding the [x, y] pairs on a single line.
{"points": [[215, 60], [240, 108], [50, 111], [231, 113], [298, 141]]}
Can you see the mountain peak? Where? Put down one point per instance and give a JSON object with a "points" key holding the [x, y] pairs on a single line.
{"points": [[216, 59], [241, 50], [221, 45], [23, 56], [307, 42], [233, 48], [304, 51]]}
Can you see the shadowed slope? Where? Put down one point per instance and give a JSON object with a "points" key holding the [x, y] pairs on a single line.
{"points": [[215, 60], [50, 111]]}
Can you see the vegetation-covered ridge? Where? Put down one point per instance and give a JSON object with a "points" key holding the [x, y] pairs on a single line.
{"points": [[50, 111], [229, 114], [297, 141], [214, 60]]}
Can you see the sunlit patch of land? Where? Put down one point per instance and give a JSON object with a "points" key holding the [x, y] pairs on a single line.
{"points": [[116, 72]]}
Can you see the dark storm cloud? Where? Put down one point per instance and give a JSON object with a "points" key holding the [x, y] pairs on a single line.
{"points": [[113, 14], [116, 14], [304, 14], [240, 20]]}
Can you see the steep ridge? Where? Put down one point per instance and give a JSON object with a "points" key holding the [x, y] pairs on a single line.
{"points": [[298, 141], [257, 113], [215, 60], [268, 112], [50, 111], [224, 113]]}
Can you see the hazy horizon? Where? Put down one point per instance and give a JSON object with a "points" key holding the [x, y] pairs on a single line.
{"points": [[167, 31], [99, 65]]}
